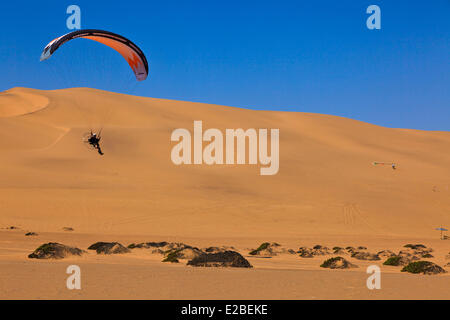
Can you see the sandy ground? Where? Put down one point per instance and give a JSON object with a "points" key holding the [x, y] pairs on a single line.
{"points": [[142, 275], [327, 192]]}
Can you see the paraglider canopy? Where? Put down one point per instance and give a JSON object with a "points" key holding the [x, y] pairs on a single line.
{"points": [[131, 52]]}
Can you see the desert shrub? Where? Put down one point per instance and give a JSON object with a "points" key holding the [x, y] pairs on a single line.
{"points": [[172, 256], [414, 246], [329, 262], [46, 248], [393, 261], [417, 266], [263, 246]]}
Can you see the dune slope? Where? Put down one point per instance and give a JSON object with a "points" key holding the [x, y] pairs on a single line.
{"points": [[326, 184]]}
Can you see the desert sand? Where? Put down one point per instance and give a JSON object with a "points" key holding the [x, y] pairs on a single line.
{"points": [[327, 192]]}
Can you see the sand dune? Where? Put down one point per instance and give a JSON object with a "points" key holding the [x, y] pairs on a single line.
{"points": [[326, 182], [20, 101], [326, 187]]}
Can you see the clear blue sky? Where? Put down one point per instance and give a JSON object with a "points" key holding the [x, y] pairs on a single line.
{"points": [[311, 56]]}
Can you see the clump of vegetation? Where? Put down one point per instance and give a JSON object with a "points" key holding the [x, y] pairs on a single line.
{"points": [[414, 246], [425, 267], [319, 250], [415, 267], [337, 263], [172, 256], [329, 262], [108, 248], [365, 256], [386, 254], [427, 255], [53, 250], [149, 245], [221, 259], [305, 252], [263, 246], [393, 261], [46, 248], [339, 250]]}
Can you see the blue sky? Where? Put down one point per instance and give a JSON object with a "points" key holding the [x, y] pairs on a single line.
{"points": [[309, 56]]}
